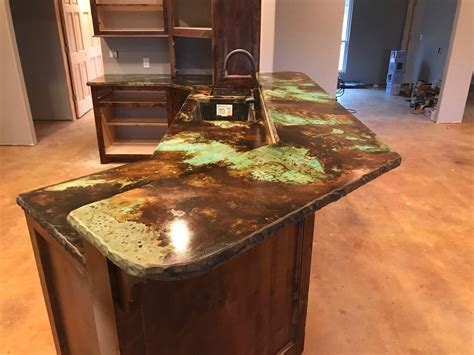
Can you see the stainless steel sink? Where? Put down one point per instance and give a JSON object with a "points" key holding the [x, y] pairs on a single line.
{"points": [[227, 108]]}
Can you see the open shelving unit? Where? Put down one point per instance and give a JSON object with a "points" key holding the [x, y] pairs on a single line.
{"points": [[191, 35], [132, 122], [191, 18], [129, 18], [135, 98]]}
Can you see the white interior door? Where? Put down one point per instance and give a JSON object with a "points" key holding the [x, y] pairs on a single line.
{"points": [[84, 53], [92, 44]]}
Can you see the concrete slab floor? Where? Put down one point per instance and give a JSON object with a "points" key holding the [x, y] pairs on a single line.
{"points": [[392, 268]]}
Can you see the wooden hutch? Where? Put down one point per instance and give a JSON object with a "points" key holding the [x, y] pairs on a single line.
{"points": [[131, 119]]}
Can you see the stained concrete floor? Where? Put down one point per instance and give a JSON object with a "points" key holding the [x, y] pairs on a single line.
{"points": [[392, 268]]}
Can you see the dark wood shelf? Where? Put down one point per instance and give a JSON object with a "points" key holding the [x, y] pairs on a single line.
{"points": [[130, 7], [131, 147], [133, 33], [134, 104], [135, 99], [128, 19], [195, 32], [160, 122], [111, 33]]}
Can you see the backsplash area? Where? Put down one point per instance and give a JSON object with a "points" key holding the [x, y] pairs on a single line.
{"points": [[131, 52]]}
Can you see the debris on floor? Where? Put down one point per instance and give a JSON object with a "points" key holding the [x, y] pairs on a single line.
{"points": [[424, 97]]}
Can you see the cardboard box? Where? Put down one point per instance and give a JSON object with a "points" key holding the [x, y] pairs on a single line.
{"points": [[394, 67], [399, 56], [393, 89], [395, 78]]}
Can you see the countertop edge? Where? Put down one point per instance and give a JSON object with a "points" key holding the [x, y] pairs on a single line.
{"points": [[205, 264], [58, 236]]}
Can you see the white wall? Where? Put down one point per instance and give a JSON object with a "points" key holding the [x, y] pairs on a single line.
{"points": [[307, 38], [459, 66], [267, 35], [131, 52], [16, 124]]}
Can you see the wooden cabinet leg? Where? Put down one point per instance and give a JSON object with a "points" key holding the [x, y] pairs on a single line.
{"points": [[305, 234], [102, 300]]}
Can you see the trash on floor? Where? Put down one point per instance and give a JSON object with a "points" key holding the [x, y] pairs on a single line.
{"points": [[425, 97]]}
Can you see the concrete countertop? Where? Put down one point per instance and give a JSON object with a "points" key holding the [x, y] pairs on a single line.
{"points": [[215, 189]]}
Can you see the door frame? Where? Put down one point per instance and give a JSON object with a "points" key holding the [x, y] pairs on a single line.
{"points": [[65, 55]]}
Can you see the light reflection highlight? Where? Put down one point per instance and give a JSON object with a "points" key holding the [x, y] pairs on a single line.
{"points": [[180, 235], [83, 6]]}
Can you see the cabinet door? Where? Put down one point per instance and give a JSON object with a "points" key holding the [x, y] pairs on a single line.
{"points": [[237, 25]]}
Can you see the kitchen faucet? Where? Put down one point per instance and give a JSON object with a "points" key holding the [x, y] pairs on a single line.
{"points": [[255, 85]]}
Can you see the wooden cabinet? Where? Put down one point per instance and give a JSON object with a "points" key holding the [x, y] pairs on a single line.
{"points": [[201, 32], [145, 18], [130, 121], [237, 25], [191, 18], [191, 37], [254, 303]]}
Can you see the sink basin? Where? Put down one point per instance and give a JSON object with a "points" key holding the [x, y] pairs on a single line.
{"points": [[231, 105], [221, 108]]}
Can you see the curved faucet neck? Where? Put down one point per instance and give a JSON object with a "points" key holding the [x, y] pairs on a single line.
{"points": [[251, 60], [255, 86]]}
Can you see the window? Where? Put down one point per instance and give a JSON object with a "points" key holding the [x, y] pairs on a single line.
{"points": [[346, 31]]}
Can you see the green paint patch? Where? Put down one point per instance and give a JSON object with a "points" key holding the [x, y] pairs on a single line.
{"points": [[379, 148], [353, 138], [291, 119], [337, 131], [226, 124], [295, 92], [284, 164], [114, 232], [202, 153], [85, 182]]}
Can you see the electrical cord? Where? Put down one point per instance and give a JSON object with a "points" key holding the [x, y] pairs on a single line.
{"points": [[341, 89]]}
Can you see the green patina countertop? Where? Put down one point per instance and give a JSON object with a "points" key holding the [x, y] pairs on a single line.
{"points": [[215, 189]]}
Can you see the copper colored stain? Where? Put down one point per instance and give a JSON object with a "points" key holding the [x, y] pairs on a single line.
{"points": [[214, 190]]}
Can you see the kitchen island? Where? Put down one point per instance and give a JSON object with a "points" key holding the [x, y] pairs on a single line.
{"points": [[206, 247]]}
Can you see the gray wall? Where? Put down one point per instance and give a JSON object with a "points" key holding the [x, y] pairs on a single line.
{"points": [[436, 19], [38, 43], [131, 52], [192, 53], [16, 125], [377, 28]]}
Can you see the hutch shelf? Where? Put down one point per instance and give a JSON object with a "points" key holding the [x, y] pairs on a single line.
{"points": [[130, 121], [129, 18]]}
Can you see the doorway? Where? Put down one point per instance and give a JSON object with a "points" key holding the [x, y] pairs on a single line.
{"points": [[372, 29], [58, 55], [84, 54]]}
